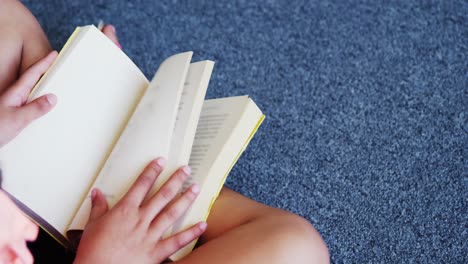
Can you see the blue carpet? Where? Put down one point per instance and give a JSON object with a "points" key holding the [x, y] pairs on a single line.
{"points": [[366, 104]]}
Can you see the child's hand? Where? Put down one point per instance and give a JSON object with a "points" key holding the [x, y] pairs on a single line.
{"points": [[15, 113], [131, 231]]}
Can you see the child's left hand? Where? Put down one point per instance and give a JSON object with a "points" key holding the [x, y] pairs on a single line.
{"points": [[132, 231], [15, 112]]}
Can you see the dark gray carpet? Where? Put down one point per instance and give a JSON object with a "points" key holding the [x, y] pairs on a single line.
{"points": [[366, 104]]}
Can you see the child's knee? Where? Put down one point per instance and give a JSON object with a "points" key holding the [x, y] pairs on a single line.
{"points": [[20, 29], [298, 240]]}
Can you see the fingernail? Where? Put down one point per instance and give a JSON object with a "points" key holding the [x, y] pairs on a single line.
{"points": [[51, 99], [195, 188], [53, 52], [186, 170], [203, 225], [113, 28], [93, 194], [161, 161]]}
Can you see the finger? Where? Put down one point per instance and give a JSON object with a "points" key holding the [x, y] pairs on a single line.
{"points": [[173, 212], [99, 205], [110, 32], [35, 109], [30, 77], [144, 183], [170, 245], [23, 255], [166, 193]]}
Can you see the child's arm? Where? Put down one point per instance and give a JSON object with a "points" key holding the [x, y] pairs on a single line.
{"points": [[15, 112], [131, 232]]}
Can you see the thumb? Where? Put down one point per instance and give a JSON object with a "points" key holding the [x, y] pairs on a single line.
{"points": [[98, 205], [35, 109]]}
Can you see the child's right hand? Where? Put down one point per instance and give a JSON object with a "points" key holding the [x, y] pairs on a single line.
{"points": [[15, 112], [131, 232]]}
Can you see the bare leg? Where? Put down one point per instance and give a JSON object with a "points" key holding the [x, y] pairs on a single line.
{"points": [[241, 230], [23, 41]]}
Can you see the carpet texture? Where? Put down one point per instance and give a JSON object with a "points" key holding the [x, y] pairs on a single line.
{"points": [[366, 105]]}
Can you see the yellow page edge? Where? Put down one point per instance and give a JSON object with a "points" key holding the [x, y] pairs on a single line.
{"points": [[60, 240], [49, 229], [260, 121], [62, 51], [234, 163]]}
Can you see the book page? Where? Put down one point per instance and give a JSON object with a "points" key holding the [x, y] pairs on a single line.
{"points": [[225, 127], [188, 115], [147, 135], [50, 166]]}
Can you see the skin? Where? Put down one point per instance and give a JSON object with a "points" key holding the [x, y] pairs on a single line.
{"points": [[15, 112], [240, 230], [26, 43], [131, 231], [15, 230], [137, 224]]}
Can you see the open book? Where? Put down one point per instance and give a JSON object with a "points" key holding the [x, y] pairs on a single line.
{"points": [[110, 122]]}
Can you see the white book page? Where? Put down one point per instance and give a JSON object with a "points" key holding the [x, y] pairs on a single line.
{"points": [[188, 114], [147, 135], [50, 166], [217, 121], [224, 130]]}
